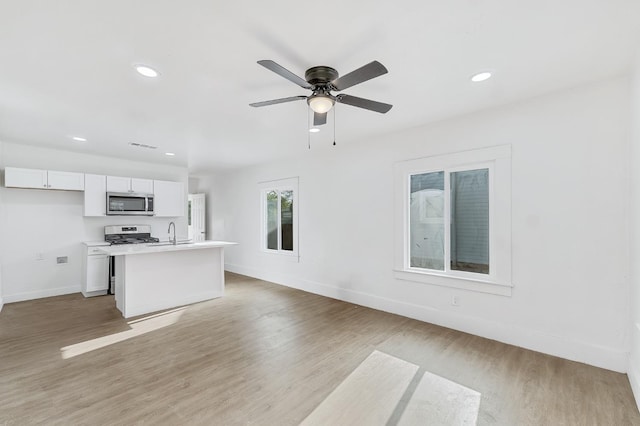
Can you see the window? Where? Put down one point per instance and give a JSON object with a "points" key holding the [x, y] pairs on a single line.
{"points": [[454, 220], [279, 231], [462, 223]]}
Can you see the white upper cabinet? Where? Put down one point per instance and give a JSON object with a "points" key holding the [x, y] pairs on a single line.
{"points": [[43, 179], [169, 198], [142, 186], [25, 178], [125, 184], [65, 180], [95, 195], [118, 184]]}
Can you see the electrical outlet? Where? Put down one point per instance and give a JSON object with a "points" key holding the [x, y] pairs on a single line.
{"points": [[62, 259], [455, 300], [39, 256]]}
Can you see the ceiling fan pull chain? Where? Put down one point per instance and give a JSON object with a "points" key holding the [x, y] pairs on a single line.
{"points": [[334, 126], [309, 127]]}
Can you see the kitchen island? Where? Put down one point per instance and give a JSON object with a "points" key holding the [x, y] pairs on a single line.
{"points": [[152, 277]]}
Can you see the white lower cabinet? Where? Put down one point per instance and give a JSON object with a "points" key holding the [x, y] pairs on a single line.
{"points": [[95, 273]]}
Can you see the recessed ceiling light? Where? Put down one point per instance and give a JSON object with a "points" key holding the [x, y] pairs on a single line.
{"points": [[314, 130], [482, 76], [79, 139], [170, 154], [146, 71]]}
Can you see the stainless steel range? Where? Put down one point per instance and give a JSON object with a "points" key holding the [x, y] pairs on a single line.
{"points": [[129, 234], [125, 234]]}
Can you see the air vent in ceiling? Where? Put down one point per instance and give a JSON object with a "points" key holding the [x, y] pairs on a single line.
{"points": [[142, 145]]}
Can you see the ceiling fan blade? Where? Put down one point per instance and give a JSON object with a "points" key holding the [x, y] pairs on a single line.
{"points": [[364, 73], [364, 103], [319, 118], [283, 72], [277, 101]]}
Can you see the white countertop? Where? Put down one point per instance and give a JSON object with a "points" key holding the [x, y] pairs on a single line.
{"points": [[126, 249], [96, 243]]}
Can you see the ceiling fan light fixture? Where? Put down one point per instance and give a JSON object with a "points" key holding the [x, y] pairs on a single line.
{"points": [[320, 103]]}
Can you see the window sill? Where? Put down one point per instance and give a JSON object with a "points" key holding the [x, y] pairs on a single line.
{"points": [[454, 282], [291, 257]]}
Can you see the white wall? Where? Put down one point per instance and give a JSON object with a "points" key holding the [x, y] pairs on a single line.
{"points": [[634, 157], [194, 185], [570, 213], [1, 237], [51, 222], [1, 298]]}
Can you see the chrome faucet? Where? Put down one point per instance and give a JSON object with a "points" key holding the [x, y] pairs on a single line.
{"points": [[172, 241]]}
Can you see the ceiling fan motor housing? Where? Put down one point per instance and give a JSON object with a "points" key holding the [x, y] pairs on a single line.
{"points": [[320, 75]]}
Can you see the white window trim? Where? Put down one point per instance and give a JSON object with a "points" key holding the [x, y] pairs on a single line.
{"points": [[498, 161], [279, 185]]}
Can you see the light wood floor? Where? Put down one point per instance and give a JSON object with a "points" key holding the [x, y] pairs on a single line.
{"points": [[266, 354]]}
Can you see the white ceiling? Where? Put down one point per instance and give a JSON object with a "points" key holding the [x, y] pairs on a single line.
{"points": [[66, 68]]}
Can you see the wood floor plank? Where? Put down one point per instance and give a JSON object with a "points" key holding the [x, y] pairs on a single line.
{"points": [[438, 401], [269, 355], [368, 395]]}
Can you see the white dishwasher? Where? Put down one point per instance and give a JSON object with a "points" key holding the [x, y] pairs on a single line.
{"points": [[95, 270]]}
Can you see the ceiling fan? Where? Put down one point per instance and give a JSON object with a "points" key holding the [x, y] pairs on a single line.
{"points": [[322, 80]]}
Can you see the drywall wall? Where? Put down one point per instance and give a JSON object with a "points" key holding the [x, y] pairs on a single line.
{"points": [[194, 183], [50, 223], [569, 237], [634, 162], [1, 298], [1, 238]]}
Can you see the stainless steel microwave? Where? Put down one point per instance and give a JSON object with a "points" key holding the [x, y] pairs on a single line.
{"points": [[129, 204]]}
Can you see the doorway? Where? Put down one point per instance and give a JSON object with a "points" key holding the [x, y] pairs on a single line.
{"points": [[197, 218]]}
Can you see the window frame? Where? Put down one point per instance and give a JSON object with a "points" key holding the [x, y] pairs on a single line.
{"points": [[280, 185], [498, 161]]}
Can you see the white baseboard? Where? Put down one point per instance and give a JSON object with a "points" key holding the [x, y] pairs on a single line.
{"points": [[87, 294], [633, 369], [571, 349], [633, 372], [38, 294], [1, 303]]}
